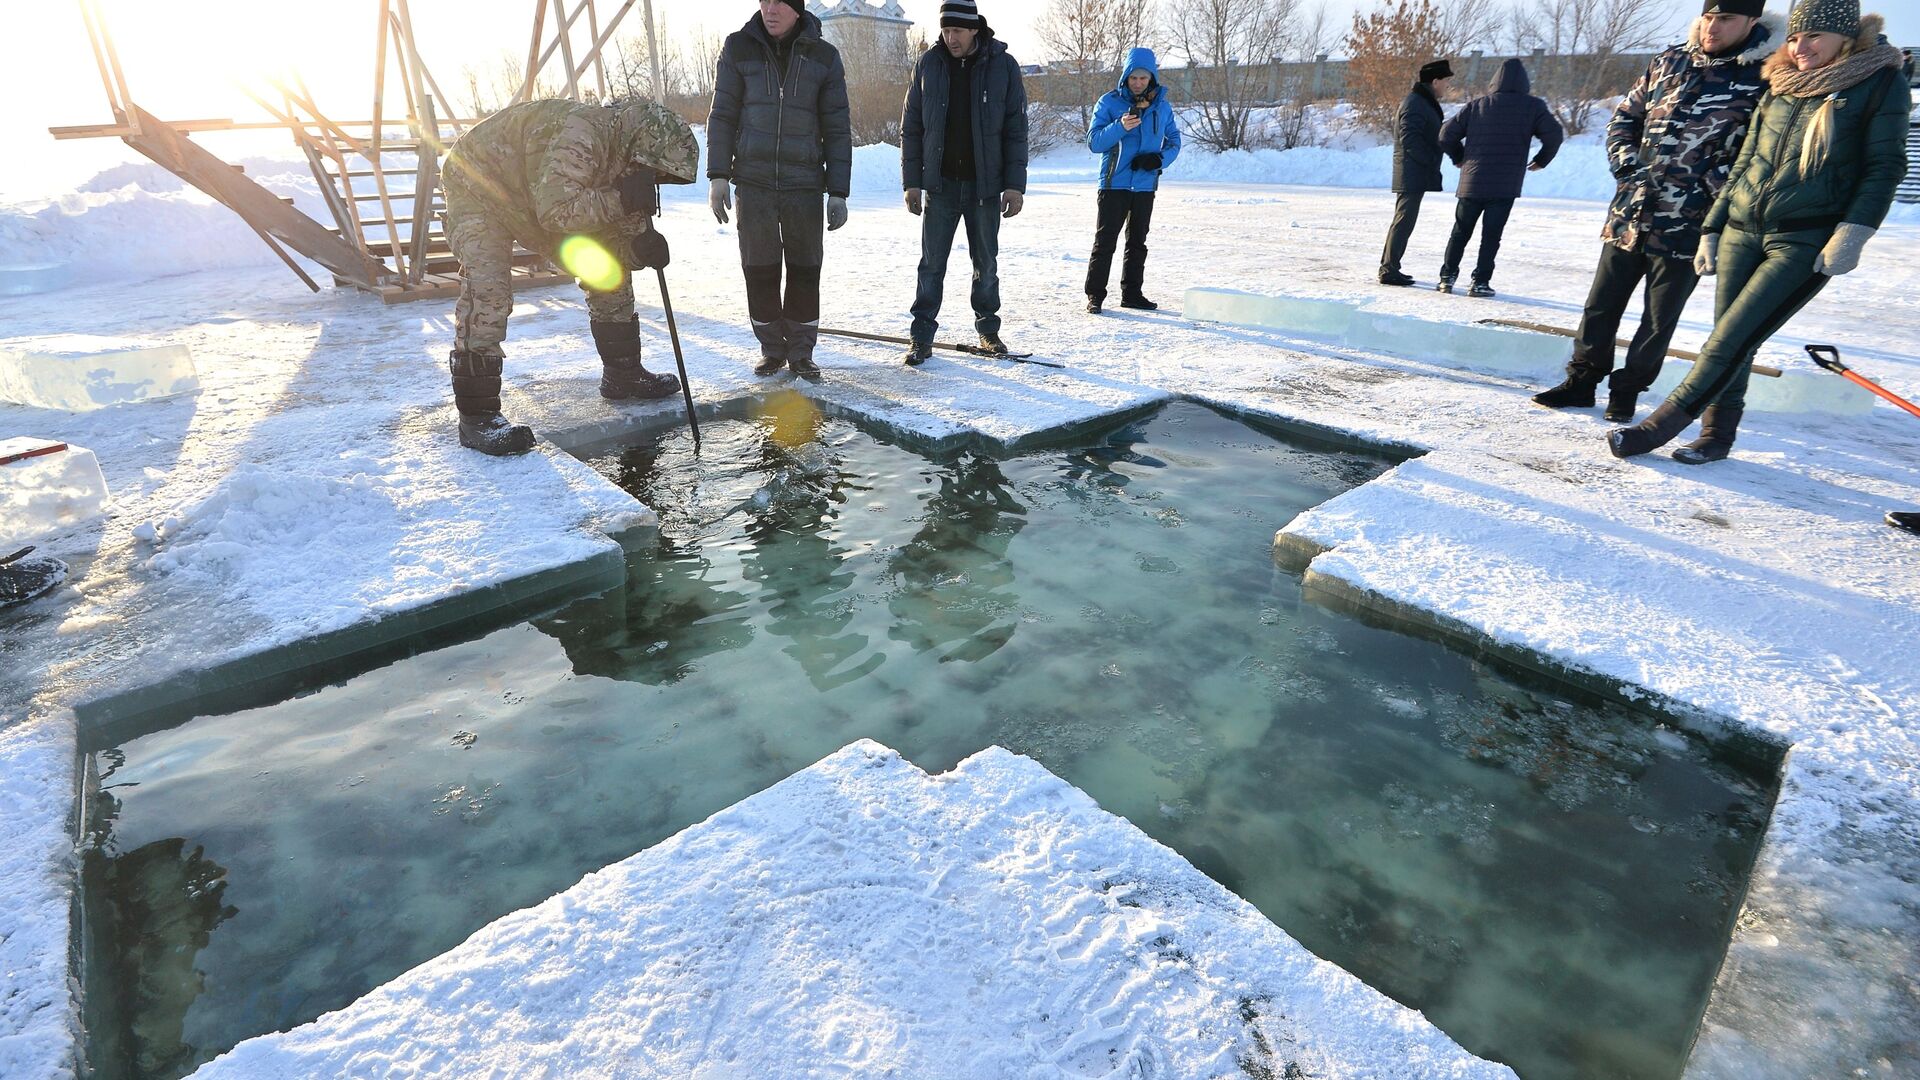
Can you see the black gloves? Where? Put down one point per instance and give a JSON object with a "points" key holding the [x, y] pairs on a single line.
{"points": [[637, 191], [1148, 162], [650, 251]]}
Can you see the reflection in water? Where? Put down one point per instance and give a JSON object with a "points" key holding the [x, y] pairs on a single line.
{"points": [[1550, 881]]}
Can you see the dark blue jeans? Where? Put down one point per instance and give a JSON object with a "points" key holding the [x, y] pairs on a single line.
{"points": [[945, 209]]}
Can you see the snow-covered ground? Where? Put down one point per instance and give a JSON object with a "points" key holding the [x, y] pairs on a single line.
{"points": [[314, 486]]}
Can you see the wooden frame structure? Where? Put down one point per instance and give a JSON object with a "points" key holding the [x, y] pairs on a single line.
{"points": [[383, 192]]}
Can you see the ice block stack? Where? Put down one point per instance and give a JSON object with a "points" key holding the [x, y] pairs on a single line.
{"points": [[46, 488], [78, 372]]}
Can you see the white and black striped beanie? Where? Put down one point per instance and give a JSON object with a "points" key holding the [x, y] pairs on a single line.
{"points": [[961, 13]]}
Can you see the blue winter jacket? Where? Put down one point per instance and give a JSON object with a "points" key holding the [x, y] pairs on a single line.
{"points": [[1158, 130]]}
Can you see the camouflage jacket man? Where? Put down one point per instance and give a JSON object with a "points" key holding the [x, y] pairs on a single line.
{"points": [[1675, 136]]}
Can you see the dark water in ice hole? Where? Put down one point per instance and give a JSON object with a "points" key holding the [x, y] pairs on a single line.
{"points": [[1551, 882]]}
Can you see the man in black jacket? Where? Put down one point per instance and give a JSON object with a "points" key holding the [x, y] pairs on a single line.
{"points": [[1416, 164], [963, 157], [781, 132], [1489, 139]]}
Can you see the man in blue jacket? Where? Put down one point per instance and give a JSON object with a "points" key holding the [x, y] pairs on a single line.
{"points": [[963, 157], [1137, 136], [780, 132], [1489, 140]]}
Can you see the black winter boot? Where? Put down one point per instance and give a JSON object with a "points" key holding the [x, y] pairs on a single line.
{"points": [[1717, 428], [802, 338], [1138, 302], [1904, 519], [1395, 278], [1621, 405], [991, 342], [1574, 393], [919, 353], [1445, 285], [774, 346], [622, 376], [23, 579], [1481, 290], [476, 394], [1094, 304], [1656, 431]]}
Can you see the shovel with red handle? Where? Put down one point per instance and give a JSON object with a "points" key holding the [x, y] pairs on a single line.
{"points": [[1828, 357]]}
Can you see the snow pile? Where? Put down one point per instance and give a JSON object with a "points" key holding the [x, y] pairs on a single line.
{"points": [[37, 1016], [862, 918]]}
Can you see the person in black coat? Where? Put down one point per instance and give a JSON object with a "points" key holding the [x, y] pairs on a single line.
{"points": [[781, 133], [1416, 164], [963, 157], [1490, 140]]}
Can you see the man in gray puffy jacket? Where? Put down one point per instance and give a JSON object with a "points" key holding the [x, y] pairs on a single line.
{"points": [[781, 134]]}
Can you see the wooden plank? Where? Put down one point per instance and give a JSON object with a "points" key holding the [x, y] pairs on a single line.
{"points": [[566, 43], [259, 207], [533, 53], [1678, 354], [607, 35]]}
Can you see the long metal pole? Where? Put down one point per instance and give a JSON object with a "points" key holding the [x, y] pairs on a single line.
{"points": [[679, 358]]}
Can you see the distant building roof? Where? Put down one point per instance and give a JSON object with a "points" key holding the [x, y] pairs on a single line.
{"points": [[890, 11]]}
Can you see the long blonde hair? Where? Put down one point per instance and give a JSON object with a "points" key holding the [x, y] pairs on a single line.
{"points": [[1817, 144]]}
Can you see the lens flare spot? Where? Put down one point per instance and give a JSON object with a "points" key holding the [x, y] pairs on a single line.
{"points": [[792, 420], [585, 258]]}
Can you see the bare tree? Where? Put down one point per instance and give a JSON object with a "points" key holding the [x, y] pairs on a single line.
{"points": [[1085, 41], [879, 63], [1583, 40], [1232, 45]]}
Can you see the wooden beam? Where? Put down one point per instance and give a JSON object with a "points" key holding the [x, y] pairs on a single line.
{"points": [[533, 53], [261, 209], [607, 34], [566, 43]]}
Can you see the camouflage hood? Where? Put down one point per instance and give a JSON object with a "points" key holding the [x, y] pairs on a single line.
{"points": [[656, 137]]}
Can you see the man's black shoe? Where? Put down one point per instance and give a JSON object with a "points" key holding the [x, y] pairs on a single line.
{"points": [[1621, 407], [919, 353], [1904, 519], [769, 365], [1138, 303], [1445, 285], [1396, 279], [804, 367], [1482, 290], [1093, 306], [1568, 395]]}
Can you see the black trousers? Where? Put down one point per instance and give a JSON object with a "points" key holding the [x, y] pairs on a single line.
{"points": [[1466, 213], [1670, 283], [777, 226], [1406, 214], [1133, 209]]}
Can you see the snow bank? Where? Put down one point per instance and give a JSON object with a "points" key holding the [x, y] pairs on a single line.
{"points": [[37, 1016], [862, 918]]}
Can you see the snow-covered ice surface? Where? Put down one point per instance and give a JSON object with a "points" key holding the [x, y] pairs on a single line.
{"points": [[312, 485], [862, 918]]}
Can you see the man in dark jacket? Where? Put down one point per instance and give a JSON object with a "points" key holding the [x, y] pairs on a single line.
{"points": [[781, 132], [1416, 164], [1671, 143], [1489, 140], [963, 157]]}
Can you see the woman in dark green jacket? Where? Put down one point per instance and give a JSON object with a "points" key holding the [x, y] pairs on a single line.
{"points": [[1816, 175]]}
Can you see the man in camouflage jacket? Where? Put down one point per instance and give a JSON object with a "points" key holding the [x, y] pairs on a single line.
{"points": [[576, 183], [1671, 143]]}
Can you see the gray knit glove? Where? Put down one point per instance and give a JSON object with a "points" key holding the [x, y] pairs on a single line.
{"points": [[1707, 259], [1842, 253]]}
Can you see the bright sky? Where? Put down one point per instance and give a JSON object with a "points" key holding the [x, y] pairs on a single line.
{"points": [[182, 58]]}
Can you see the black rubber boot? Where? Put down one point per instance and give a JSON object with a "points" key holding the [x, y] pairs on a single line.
{"points": [[802, 338], [919, 353], [1571, 394], [1656, 431], [1396, 279], [1904, 519], [622, 376], [1621, 405], [1717, 429], [23, 579], [1138, 303], [476, 394]]}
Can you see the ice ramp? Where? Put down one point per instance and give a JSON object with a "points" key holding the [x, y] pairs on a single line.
{"points": [[862, 918], [1525, 353]]}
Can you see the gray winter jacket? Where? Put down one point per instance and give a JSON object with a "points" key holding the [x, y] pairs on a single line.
{"points": [[783, 134], [999, 121]]}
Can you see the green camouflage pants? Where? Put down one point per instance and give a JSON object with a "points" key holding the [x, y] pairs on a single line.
{"points": [[485, 251]]}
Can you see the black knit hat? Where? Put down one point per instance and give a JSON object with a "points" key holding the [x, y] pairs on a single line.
{"points": [[961, 13], [1825, 17], [1439, 69], [1752, 9], [797, 5]]}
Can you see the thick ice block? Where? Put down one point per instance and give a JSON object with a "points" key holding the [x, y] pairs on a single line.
{"points": [[1481, 348], [1317, 318], [27, 280], [46, 488], [1797, 390], [78, 372]]}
